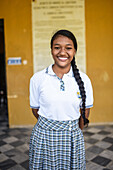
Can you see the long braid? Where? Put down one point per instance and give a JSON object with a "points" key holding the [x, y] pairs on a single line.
{"points": [[81, 88]]}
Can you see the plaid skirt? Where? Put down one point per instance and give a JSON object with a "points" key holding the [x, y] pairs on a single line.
{"points": [[56, 145]]}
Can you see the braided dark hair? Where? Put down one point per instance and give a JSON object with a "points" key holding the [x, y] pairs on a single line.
{"points": [[76, 73]]}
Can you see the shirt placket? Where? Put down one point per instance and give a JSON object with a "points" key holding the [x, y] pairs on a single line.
{"points": [[62, 87]]}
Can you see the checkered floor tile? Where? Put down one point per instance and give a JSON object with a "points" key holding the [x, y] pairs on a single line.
{"points": [[14, 147]]}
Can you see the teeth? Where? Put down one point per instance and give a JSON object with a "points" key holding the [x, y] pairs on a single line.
{"points": [[62, 58]]}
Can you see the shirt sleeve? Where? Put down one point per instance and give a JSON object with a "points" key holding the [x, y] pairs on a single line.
{"points": [[89, 93], [34, 94]]}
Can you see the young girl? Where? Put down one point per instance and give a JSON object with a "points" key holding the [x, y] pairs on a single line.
{"points": [[60, 98]]}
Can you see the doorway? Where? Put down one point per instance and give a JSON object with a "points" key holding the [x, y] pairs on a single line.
{"points": [[3, 86]]}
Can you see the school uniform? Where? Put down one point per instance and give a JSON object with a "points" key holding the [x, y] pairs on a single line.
{"points": [[57, 142]]}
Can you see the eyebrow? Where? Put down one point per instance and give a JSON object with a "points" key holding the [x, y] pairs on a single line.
{"points": [[66, 44]]}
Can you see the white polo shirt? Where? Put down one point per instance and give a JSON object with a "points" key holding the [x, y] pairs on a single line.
{"points": [[58, 99]]}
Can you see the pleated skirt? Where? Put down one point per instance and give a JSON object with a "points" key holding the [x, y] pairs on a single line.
{"points": [[56, 145]]}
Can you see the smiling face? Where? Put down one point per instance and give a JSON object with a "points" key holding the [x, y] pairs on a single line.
{"points": [[63, 51]]}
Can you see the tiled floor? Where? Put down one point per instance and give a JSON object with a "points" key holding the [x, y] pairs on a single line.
{"points": [[14, 146]]}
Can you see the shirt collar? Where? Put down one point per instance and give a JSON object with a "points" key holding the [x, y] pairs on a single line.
{"points": [[50, 71]]}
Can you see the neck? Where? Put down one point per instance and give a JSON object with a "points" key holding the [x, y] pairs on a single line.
{"points": [[60, 71]]}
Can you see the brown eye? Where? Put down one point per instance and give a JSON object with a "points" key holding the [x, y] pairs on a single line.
{"points": [[68, 48], [57, 48]]}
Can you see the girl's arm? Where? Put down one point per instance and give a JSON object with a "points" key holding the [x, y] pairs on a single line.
{"points": [[81, 121], [35, 113]]}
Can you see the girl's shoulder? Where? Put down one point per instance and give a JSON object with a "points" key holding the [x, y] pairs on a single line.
{"points": [[38, 76], [84, 76]]}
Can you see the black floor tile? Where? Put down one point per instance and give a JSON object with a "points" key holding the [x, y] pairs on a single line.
{"points": [[111, 126], [100, 127], [27, 152], [4, 136], [12, 152], [103, 132], [88, 133], [101, 160], [23, 129], [110, 148], [8, 130], [17, 143], [2, 143], [25, 164], [7, 164], [108, 139], [92, 141], [20, 136], [26, 139], [95, 149]]}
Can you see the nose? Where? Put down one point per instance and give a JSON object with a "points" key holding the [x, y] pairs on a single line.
{"points": [[62, 51]]}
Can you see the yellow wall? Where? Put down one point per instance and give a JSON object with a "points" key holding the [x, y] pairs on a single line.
{"points": [[99, 51], [18, 43], [99, 56]]}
